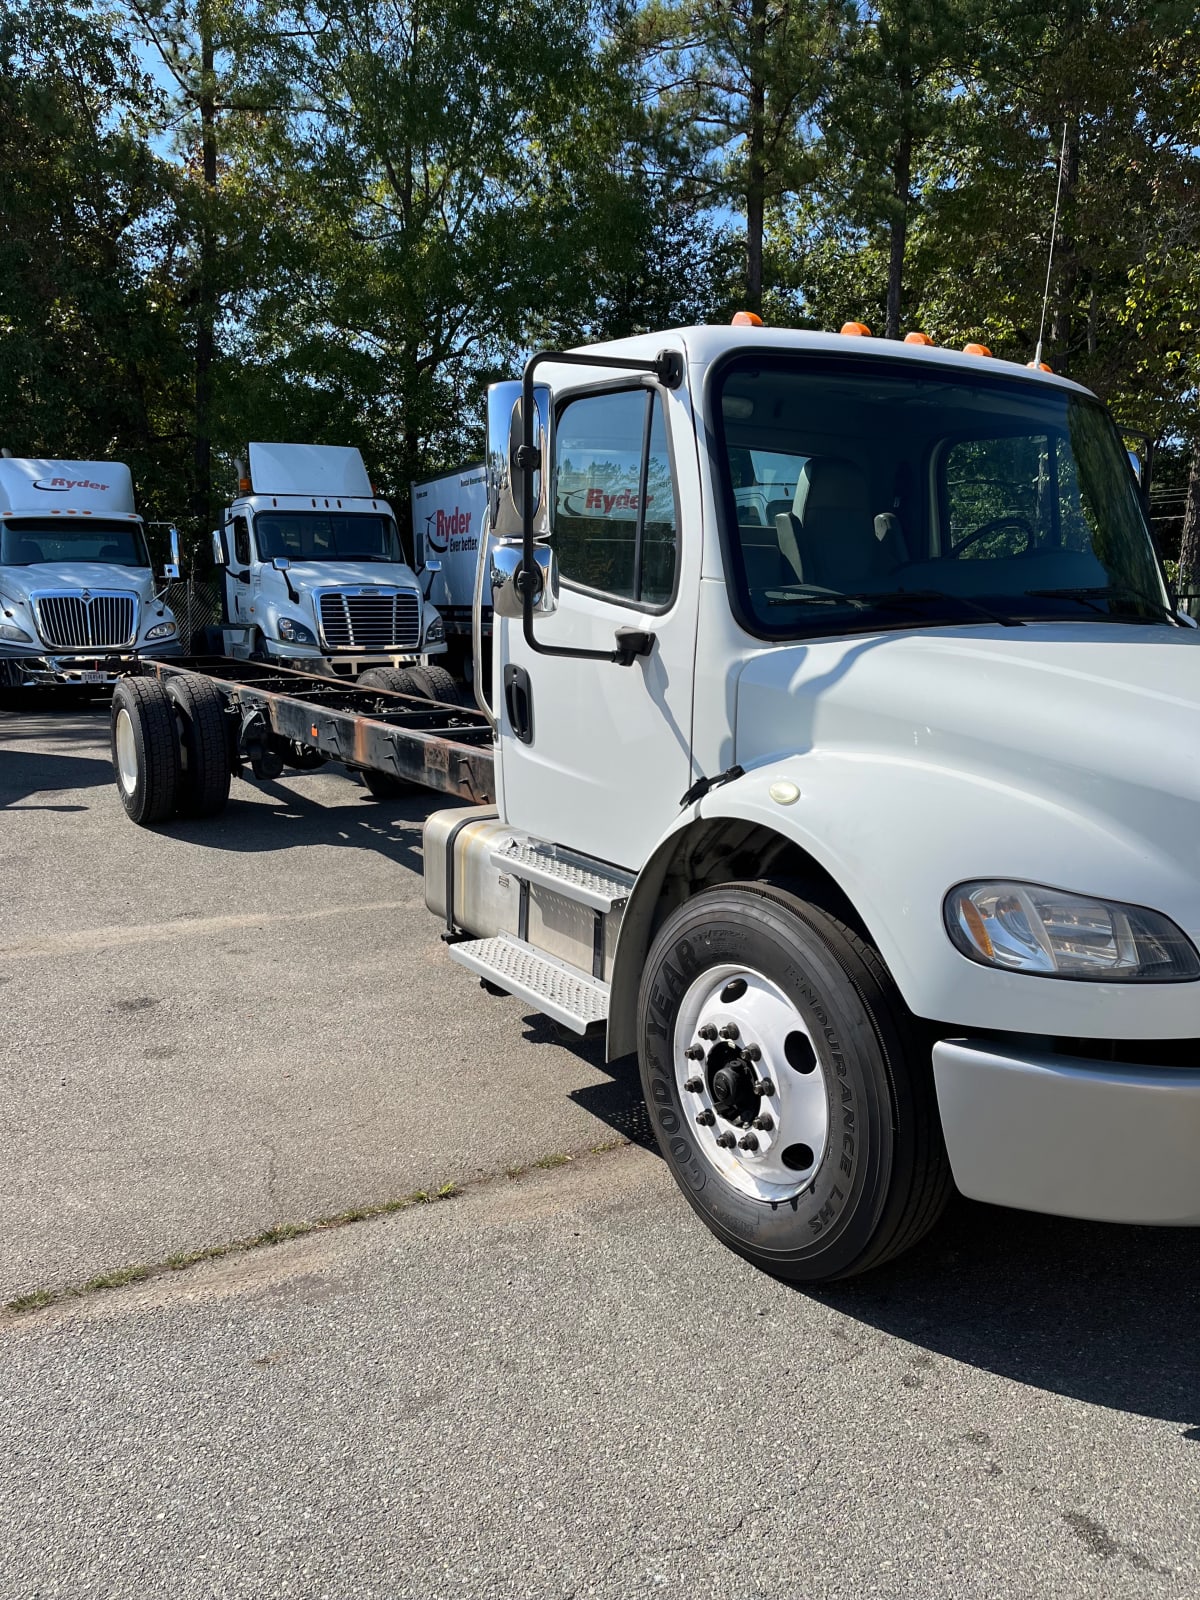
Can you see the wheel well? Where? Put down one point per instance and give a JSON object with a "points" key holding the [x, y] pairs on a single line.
{"points": [[712, 851]]}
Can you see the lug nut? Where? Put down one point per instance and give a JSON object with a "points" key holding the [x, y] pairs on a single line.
{"points": [[764, 1086], [729, 1031], [748, 1141], [694, 1085], [763, 1123], [706, 1118], [694, 1052], [708, 1031], [726, 1141], [752, 1053]]}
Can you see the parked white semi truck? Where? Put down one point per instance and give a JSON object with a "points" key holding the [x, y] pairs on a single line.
{"points": [[313, 567], [79, 598], [841, 763]]}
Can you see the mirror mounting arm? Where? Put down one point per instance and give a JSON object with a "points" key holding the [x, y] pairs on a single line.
{"points": [[667, 368]]}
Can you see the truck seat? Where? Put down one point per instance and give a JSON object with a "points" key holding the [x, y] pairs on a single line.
{"points": [[770, 556], [842, 544]]}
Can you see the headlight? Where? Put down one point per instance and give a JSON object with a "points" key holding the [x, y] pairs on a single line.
{"points": [[435, 633], [9, 630], [1022, 927], [161, 630], [295, 632]]}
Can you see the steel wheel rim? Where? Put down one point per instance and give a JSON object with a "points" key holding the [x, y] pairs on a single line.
{"points": [[790, 1150], [126, 751]]}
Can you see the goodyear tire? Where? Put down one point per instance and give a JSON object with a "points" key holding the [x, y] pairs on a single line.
{"points": [[437, 684], [145, 749], [789, 1087], [205, 762]]}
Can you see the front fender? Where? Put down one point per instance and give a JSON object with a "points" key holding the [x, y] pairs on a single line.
{"points": [[894, 835]]}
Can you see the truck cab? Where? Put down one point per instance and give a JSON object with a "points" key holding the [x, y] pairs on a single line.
{"points": [[845, 740], [79, 599], [313, 567]]}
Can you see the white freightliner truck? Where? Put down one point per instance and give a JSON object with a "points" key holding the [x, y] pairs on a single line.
{"points": [[842, 763], [79, 598], [313, 569]]}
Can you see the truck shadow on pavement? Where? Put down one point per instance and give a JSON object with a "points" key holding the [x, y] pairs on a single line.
{"points": [[25, 772], [1095, 1312]]}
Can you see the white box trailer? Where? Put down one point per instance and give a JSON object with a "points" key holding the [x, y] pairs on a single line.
{"points": [[79, 598], [448, 517]]}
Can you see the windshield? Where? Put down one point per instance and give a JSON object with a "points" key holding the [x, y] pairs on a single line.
{"points": [[32, 541], [872, 494], [326, 536]]}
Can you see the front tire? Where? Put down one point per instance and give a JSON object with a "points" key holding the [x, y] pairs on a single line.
{"points": [[789, 1086]]}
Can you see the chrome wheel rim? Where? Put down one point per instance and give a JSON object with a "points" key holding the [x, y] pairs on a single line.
{"points": [[751, 1083], [126, 751]]}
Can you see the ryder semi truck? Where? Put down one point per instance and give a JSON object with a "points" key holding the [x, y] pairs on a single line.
{"points": [[840, 761], [79, 599]]}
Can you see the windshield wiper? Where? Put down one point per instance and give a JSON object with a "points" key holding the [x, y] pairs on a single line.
{"points": [[1088, 597], [903, 599]]}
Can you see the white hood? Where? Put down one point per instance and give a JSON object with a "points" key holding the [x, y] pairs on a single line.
{"points": [[54, 576], [350, 575]]}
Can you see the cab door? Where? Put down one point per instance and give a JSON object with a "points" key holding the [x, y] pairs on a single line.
{"points": [[595, 756], [239, 570]]}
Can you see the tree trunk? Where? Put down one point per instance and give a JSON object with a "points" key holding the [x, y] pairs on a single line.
{"points": [[206, 310], [756, 177], [1189, 544], [901, 178]]}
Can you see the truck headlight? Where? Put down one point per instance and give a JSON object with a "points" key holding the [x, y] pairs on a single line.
{"points": [[9, 630], [295, 632], [1023, 927], [161, 630], [435, 633]]}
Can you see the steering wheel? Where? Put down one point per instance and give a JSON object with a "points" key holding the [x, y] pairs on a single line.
{"points": [[1020, 523]]}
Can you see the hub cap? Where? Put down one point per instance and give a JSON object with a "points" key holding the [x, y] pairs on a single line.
{"points": [[126, 752], [744, 1054]]}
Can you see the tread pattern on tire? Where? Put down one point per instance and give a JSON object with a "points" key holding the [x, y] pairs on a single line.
{"points": [[156, 738], [397, 680], [204, 783], [438, 684], [918, 1196]]}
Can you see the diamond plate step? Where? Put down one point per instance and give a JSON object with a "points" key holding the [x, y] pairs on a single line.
{"points": [[575, 877], [571, 997]]}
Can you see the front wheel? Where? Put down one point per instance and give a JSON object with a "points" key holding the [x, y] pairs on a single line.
{"points": [[788, 1085]]}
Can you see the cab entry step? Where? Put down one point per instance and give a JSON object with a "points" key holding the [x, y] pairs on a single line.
{"points": [[563, 992], [579, 878]]}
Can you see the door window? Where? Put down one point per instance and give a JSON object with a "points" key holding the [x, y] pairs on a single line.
{"points": [[241, 541], [615, 528]]}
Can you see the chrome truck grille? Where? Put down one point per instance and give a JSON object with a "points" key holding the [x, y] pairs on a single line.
{"points": [[371, 619], [87, 621]]}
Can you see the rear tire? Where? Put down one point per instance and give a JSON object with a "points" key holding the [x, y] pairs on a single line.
{"points": [[205, 766], [396, 680], [438, 684], [843, 1164], [145, 749]]}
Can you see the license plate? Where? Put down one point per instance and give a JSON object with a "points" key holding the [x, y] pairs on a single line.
{"points": [[93, 677]]}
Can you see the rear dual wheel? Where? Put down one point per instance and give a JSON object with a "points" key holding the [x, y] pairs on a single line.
{"points": [[170, 748], [422, 683], [789, 1086]]}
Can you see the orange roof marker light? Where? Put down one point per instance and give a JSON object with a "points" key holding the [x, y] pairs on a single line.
{"points": [[976, 350], [917, 338], [856, 330], [1039, 366], [745, 319]]}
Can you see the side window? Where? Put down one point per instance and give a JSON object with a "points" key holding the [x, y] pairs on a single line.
{"points": [[995, 496], [241, 541], [614, 514]]}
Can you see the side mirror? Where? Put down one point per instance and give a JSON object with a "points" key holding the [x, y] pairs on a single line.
{"points": [[509, 580], [432, 566], [218, 548], [505, 479], [171, 567], [280, 563]]}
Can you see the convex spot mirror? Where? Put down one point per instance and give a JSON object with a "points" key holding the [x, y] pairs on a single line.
{"points": [[280, 563], [505, 480], [509, 580]]}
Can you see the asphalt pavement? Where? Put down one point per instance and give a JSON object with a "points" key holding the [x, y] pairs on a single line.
{"points": [[554, 1384]]}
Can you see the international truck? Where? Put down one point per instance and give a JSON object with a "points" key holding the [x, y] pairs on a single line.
{"points": [[841, 762], [313, 570], [79, 598]]}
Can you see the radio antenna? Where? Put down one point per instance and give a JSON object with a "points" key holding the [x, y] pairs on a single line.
{"points": [[1062, 161]]}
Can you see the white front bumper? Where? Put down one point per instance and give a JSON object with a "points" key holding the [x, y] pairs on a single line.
{"points": [[1074, 1138]]}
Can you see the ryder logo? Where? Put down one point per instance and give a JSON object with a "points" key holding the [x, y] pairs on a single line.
{"points": [[61, 485], [442, 526]]}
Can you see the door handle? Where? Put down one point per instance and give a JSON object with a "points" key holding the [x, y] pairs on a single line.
{"points": [[518, 702]]}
